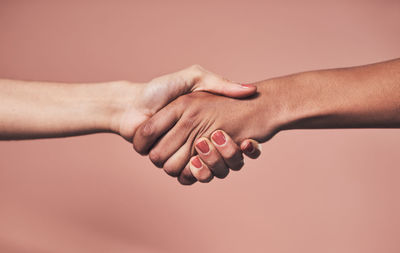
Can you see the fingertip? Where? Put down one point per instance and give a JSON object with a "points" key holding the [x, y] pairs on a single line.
{"points": [[141, 151], [241, 90], [250, 87], [251, 148], [186, 181], [199, 170], [186, 177]]}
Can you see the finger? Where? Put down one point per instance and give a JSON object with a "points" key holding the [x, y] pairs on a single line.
{"points": [[171, 142], [178, 161], [210, 157], [194, 78], [186, 177], [228, 149], [251, 148], [149, 132], [199, 170]]}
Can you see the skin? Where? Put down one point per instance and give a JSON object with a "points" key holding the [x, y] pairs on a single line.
{"points": [[358, 97], [31, 110]]}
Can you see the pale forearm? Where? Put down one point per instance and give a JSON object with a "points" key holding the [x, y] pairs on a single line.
{"points": [[41, 109]]}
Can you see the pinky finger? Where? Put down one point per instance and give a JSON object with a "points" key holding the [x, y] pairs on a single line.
{"points": [[251, 148]]}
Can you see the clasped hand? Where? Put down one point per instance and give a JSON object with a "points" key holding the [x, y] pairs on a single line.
{"points": [[195, 124], [188, 136]]}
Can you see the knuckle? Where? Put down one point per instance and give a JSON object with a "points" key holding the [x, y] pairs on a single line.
{"points": [[186, 177], [231, 154], [190, 120], [219, 170], [155, 158], [196, 67], [138, 147], [172, 170], [184, 181], [197, 72], [213, 162], [238, 166], [205, 178], [192, 114], [141, 151], [222, 173], [182, 101], [187, 174], [147, 130]]}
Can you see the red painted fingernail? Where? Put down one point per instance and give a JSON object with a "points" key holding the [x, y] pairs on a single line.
{"points": [[196, 163], [219, 138], [247, 86], [249, 148], [203, 147]]}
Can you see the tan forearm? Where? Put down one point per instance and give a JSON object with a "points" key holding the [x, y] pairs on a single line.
{"points": [[357, 97]]}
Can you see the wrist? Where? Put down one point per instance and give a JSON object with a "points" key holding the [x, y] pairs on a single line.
{"points": [[272, 104], [266, 112], [356, 97], [289, 101], [122, 108], [302, 101], [110, 101]]}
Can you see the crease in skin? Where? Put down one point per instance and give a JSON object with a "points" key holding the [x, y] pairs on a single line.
{"points": [[182, 151], [188, 135], [187, 120], [204, 128], [195, 136], [145, 124]]}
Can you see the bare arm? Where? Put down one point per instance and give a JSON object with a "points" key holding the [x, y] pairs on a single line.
{"points": [[356, 97], [42, 109]]}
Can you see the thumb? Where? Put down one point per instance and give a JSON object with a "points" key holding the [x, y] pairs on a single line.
{"points": [[225, 87]]}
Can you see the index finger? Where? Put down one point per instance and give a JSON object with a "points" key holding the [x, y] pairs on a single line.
{"points": [[151, 130]]}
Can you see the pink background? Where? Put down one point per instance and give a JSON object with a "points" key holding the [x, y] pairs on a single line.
{"points": [[311, 191]]}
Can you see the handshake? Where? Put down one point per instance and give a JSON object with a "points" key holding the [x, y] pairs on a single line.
{"points": [[194, 124]]}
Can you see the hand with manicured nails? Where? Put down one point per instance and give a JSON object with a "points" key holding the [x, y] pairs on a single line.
{"points": [[216, 156], [157, 116], [154, 95], [30, 110], [356, 97], [118, 107], [162, 90], [200, 115]]}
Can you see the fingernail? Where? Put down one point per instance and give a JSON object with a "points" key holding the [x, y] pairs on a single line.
{"points": [[196, 163], [249, 148], [247, 86], [219, 138], [203, 147]]}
